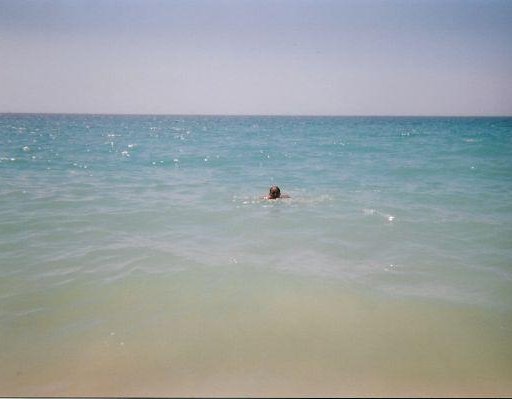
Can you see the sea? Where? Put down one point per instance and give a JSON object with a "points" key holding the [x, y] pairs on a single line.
{"points": [[138, 256]]}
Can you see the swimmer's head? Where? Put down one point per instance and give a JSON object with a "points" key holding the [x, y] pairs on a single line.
{"points": [[274, 192]]}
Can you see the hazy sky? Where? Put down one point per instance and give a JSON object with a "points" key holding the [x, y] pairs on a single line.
{"points": [[257, 57]]}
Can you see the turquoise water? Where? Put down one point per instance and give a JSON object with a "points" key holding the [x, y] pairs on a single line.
{"points": [[139, 247]]}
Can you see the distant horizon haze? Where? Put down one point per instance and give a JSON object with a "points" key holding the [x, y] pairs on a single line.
{"points": [[254, 115], [226, 57]]}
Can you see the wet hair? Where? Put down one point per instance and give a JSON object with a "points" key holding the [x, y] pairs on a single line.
{"points": [[274, 192]]}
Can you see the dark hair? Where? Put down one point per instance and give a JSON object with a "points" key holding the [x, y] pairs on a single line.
{"points": [[274, 192]]}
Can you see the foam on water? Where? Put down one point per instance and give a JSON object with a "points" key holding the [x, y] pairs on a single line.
{"points": [[138, 224]]}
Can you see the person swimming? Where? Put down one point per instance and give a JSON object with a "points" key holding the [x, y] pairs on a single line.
{"points": [[275, 193]]}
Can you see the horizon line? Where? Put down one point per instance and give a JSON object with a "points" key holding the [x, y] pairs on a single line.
{"points": [[261, 115]]}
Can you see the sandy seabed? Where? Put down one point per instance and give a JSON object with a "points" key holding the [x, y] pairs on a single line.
{"points": [[258, 335]]}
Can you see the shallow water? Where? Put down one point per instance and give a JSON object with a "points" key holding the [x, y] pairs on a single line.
{"points": [[138, 258]]}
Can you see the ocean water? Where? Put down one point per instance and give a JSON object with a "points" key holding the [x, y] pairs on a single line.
{"points": [[137, 256]]}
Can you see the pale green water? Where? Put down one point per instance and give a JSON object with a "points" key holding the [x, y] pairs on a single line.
{"points": [[136, 257], [235, 332]]}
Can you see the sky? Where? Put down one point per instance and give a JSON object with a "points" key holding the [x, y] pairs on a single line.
{"points": [[364, 57]]}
